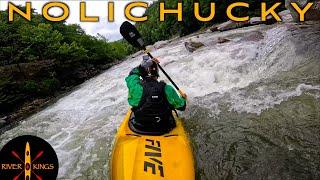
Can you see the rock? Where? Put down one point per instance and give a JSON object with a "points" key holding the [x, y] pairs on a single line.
{"points": [[150, 48], [160, 44], [286, 16], [222, 40], [253, 36], [2, 122], [213, 28], [157, 45], [192, 46], [270, 20], [208, 31], [4, 118], [257, 20], [231, 25], [312, 14]]}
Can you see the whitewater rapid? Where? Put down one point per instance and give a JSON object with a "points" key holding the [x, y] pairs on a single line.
{"points": [[224, 82]]}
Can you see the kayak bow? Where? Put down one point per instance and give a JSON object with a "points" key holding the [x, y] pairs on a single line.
{"points": [[143, 157]]}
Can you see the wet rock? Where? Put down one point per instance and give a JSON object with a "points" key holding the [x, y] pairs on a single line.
{"points": [[223, 40], [151, 48], [2, 122], [285, 16], [253, 36], [213, 28], [270, 20], [192, 46], [312, 14], [160, 44], [257, 20], [231, 25], [253, 21], [4, 118]]}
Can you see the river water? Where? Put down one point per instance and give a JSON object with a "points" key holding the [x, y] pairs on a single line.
{"points": [[253, 108]]}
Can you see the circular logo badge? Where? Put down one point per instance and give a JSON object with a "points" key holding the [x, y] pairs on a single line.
{"points": [[28, 157]]}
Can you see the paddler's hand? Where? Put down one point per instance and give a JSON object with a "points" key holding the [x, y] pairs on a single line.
{"points": [[184, 95], [156, 60]]}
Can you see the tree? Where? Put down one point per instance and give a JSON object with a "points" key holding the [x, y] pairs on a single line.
{"points": [[41, 38]]}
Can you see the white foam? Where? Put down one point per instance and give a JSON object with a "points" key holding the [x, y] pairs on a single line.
{"points": [[264, 100]]}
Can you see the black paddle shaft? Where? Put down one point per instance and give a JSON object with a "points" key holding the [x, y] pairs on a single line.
{"points": [[132, 35], [165, 73]]}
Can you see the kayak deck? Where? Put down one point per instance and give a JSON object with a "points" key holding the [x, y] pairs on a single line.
{"points": [[144, 157]]}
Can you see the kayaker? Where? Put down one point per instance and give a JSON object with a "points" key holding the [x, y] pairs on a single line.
{"points": [[152, 101]]}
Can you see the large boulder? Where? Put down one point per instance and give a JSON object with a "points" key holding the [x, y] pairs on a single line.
{"points": [[286, 16], [312, 14], [253, 36], [160, 44], [257, 20], [231, 25], [213, 28], [192, 46], [222, 40], [3, 121], [150, 48]]}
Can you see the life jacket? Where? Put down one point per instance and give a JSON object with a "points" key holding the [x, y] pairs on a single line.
{"points": [[154, 110]]}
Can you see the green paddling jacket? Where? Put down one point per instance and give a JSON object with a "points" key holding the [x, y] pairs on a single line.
{"points": [[135, 87]]}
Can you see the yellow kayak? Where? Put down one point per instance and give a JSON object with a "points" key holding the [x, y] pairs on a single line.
{"points": [[144, 157]]}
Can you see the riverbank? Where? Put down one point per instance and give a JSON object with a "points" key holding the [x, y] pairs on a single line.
{"points": [[40, 59], [28, 104]]}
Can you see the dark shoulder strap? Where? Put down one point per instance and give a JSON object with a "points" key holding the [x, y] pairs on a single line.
{"points": [[162, 84]]}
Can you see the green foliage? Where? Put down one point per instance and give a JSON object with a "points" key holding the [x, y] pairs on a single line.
{"points": [[39, 40], [4, 81], [49, 86], [30, 86], [22, 41], [122, 46], [71, 52], [10, 94]]}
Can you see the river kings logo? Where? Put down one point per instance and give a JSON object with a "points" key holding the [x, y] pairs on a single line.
{"points": [[28, 157]]}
